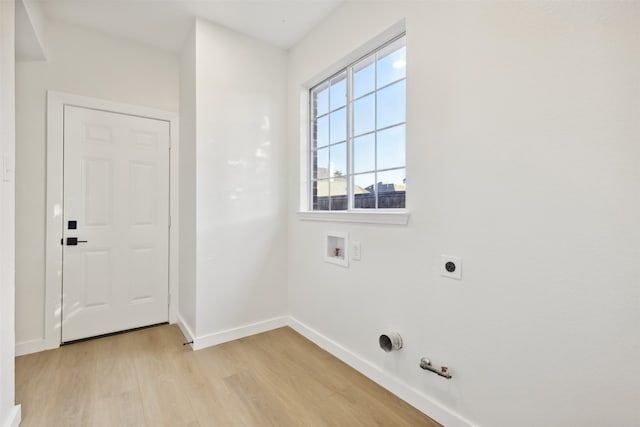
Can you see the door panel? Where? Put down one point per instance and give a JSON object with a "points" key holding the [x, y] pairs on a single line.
{"points": [[116, 186], [96, 278], [97, 177]]}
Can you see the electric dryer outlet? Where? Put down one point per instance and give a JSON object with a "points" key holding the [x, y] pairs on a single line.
{"points": [[451, 266]]}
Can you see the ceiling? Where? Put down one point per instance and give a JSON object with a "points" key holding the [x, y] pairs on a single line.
{"points": [[165, 23]]}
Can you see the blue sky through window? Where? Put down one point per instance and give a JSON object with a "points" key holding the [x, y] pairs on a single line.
{"points": [[378, 113]]}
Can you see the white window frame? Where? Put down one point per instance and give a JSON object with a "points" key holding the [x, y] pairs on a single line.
{"points": [[373, 216]]}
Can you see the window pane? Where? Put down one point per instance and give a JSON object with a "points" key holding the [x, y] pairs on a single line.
{"points": [[358, 134], [391, 148], [391, 105], [364, 77], [364, 154], [322, 132], [321, 195], [322, 163], [338, 96], [364, 196], [338, 191], [338, 160], [364, 113], [338, 126], [321, 100], [391, 189], [392, 63]]}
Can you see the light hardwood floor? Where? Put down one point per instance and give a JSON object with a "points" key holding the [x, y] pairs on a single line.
{"points": [[148, 378]]}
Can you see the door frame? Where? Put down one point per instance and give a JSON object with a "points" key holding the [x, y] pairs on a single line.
{"points": [[56, 102]]}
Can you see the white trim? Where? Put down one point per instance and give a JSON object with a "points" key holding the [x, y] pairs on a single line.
{"points": [[186, 330], [55, 121], [377, 217], [174, 212], [391, 33], [304, 167], [240, 332], [53, 255], [394, 31], [414, 397], [9, 414], [31, 346], [15, 416]]}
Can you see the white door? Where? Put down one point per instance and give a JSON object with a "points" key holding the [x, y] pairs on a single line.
{"points": [[116, 204]]}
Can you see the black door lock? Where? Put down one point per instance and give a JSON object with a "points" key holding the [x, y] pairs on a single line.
{"points": [[73, 241]]}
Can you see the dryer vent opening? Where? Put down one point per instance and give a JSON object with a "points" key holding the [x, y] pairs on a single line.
{"points": [[390, 341]]}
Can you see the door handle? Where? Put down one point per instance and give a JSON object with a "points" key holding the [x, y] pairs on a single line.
{"points": [[73, 241]]}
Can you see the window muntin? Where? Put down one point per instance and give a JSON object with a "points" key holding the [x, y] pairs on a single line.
{"points": [[358, 134]]}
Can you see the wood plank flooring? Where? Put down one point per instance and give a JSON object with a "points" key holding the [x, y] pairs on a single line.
{"points": [[148, 378]]}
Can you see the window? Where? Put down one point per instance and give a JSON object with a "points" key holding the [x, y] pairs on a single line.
{"points": [[357, 133]]}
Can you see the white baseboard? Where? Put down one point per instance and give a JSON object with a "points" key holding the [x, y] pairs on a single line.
{"points": [[240, 332], [415, 398], [184, 327], [14, 418], [32, 346]]}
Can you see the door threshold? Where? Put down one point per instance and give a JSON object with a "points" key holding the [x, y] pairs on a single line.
{"points": [[110, 334]]}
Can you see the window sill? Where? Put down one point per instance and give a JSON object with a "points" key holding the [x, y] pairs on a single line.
{"points": [[389, 218]]}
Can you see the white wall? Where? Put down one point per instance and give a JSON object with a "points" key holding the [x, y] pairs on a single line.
{"points": [[522, 153], [37, 21], [9, 412], [29, 21], [241, 167], [240, 181], [187, 300], [85, 63]]}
